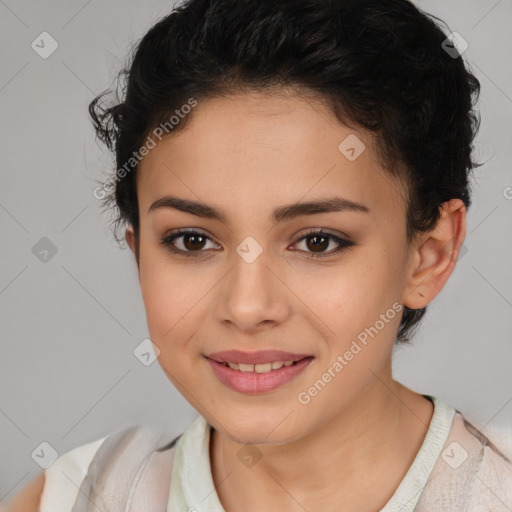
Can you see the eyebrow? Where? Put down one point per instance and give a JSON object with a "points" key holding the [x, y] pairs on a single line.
{"points": [[280, 214]]}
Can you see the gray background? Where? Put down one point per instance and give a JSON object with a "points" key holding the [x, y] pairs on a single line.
{"points": [[69, 326]]}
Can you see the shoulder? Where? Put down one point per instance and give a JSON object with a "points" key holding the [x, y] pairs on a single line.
{"points": [[474, 469], [103, 467], [65, 476], [125, 450], [56, 487], [491, 487]]}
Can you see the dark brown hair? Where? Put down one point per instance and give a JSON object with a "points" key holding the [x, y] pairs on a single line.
{"points": [[379, 64]]}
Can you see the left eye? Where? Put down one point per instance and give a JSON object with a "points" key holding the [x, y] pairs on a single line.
{"points": [[320, 240], [194, 241]]}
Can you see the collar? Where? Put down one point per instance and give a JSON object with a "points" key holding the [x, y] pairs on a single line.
{"points": [[192, 486]]}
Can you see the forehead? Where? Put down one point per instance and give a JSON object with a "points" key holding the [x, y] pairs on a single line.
{"points": [[257, 151]]}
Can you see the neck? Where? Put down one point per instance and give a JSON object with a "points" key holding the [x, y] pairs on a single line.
{"points": [[358, 458]]}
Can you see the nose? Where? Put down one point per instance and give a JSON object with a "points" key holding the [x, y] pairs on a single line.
{"points": [[252, 295]]}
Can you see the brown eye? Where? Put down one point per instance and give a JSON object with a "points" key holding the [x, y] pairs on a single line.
{"points": [[191, 242], [318, 241]]}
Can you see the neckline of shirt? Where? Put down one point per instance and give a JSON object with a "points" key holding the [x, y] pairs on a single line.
{"points": [[192, 481]]}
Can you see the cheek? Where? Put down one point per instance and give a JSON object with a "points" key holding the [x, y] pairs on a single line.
{"points": [[173, 312], [354, 314], [172, 300], [351, 294], [357, 303]]}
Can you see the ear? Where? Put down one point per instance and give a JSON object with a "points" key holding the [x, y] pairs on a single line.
{"points": [[435, 255], [132, 242]]}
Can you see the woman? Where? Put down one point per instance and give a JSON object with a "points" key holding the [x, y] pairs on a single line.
{"points": [[293, 178]]}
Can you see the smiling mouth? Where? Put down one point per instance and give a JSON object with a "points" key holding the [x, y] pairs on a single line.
{"points": [[258, 378], [258, 368]]}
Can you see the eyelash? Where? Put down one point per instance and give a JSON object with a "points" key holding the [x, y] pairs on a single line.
{"points": [[167, 240]]}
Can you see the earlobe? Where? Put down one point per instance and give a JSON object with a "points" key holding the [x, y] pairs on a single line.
{"points": [[130, 238], [435, 255], [132, 243]]}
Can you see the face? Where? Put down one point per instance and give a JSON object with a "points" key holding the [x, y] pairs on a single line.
{"points": [[261, 277]]}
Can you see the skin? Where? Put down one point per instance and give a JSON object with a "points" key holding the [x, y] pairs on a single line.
{"points": [[28, 500], [246, 154]]}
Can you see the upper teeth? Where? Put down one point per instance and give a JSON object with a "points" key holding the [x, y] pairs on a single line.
{"points": [[259, 368]]}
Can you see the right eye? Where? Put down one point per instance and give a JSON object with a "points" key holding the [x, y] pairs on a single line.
{"points": [[192, 242]]}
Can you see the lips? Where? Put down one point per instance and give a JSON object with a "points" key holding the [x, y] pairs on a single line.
{"points": [[260, 357], [254, 383]]}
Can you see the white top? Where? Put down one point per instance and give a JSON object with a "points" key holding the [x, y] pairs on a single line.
{"points": [[453, 470], [64, 477], [192, 483]]}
